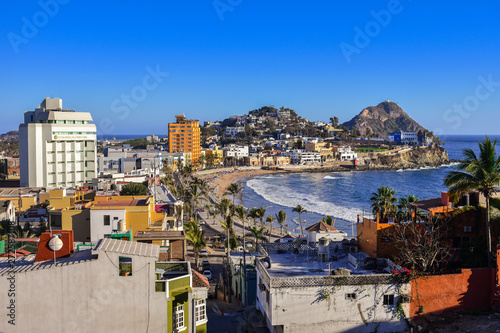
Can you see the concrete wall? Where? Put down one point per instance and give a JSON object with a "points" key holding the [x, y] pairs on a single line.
{"points": [[87, 297], [97, 227], [304, 309]]}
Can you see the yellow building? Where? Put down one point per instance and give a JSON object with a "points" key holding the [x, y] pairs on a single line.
{"points": [[184, 136], [217, 156]]}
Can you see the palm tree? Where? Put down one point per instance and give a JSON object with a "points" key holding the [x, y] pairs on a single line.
{"points": [[260, 212], [253, 215], [481, 174], [383, 201], [281, 218], [270, 220], [223, 207], [233, 189], [257, 233], [242, 214], [404, 204], [196, 237], [328, 220], [299, 209]]}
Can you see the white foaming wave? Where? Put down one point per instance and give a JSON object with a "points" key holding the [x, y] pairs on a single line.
{"points": [[288, 197], [429, 167], [330, 177]]}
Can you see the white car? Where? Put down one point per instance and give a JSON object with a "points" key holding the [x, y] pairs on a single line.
{"points": [[207, 274], [202, 221], [203, 253]]}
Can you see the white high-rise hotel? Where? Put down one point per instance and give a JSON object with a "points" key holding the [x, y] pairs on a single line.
{"points": [[57, 147]]}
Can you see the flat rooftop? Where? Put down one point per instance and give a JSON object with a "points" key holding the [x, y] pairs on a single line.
{"points": [[288, 263], [158, 235], [122, 203]]}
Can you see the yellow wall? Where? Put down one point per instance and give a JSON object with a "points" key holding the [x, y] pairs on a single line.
{"points": [[26, 202]]}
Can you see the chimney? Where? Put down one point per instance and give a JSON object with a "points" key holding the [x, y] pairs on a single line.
{"points": [[445, 200]]}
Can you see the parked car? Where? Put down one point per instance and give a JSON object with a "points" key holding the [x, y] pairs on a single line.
{"points": [[203, 253], [206, 265], [202, 221], [208, 274]]}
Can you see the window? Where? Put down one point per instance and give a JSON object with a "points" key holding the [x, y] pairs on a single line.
{"points": [[179, 317], [125, 266], [467, 228], [388, 299], [351, 296], [106, 220], [200, 312]]}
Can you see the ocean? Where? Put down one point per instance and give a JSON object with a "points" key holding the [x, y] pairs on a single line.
{"points": [[344, 195]]}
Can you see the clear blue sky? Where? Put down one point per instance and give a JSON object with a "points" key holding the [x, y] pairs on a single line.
{"points": [[227, 57]]}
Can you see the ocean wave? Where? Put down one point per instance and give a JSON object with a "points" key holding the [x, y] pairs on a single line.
{"points": [[428, 167], [330, 177], [289, 197]]}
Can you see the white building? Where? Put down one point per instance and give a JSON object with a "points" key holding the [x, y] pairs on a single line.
{"points": [[233, 131], [115, 287], [7, 210], [321, 229], [327, 289], [235, 151], [346, 153], [57, 147], [302, 157]]}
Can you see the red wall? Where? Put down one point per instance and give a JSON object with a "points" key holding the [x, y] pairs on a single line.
{"points": [[45, 253], [470, 290]]}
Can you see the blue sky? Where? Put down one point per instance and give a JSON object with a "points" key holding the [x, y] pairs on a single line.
{"points": [[438, 61]]}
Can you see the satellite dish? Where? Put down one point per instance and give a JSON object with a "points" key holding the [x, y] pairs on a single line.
{"points": [[55, 243]]}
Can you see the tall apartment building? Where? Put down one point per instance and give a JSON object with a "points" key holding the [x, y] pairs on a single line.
{"points": [[184, 136], [57, 147]]}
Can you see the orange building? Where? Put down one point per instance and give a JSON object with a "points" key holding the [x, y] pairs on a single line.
{"points": [[184, 136]]}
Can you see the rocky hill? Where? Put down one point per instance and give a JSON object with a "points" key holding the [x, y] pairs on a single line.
{"points": [[382, 119]]}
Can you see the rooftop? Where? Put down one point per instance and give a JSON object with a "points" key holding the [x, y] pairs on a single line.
{"points": [[288, 263], [122, 203], [429, 204], [27, 263], [127, 247], [199, 281], [321, 226], [155, 235]]}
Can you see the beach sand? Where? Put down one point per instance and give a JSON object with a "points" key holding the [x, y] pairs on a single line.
{"points": [[224, 179]]}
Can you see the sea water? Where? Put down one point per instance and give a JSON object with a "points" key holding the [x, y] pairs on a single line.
{"points": [[345, 195]]}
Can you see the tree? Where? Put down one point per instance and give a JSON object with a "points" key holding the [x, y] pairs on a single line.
{"points": [[134, 189], [281, 218], [299, 209], [233, 189], [270, 220], [223, 207], [257, 233], [383, 201], [334, 121], [328, 220], [421, 246], [242, 214], [478, 173], [196, 237], [260, 212], [404, 204]]}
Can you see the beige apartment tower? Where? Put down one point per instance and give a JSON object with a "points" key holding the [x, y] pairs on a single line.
{"points": [[57, 147]]}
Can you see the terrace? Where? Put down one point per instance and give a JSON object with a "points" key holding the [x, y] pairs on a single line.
{"points": [[307, 265]]}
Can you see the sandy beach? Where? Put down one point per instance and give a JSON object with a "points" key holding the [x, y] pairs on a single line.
{"points": [[219, 180]]}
